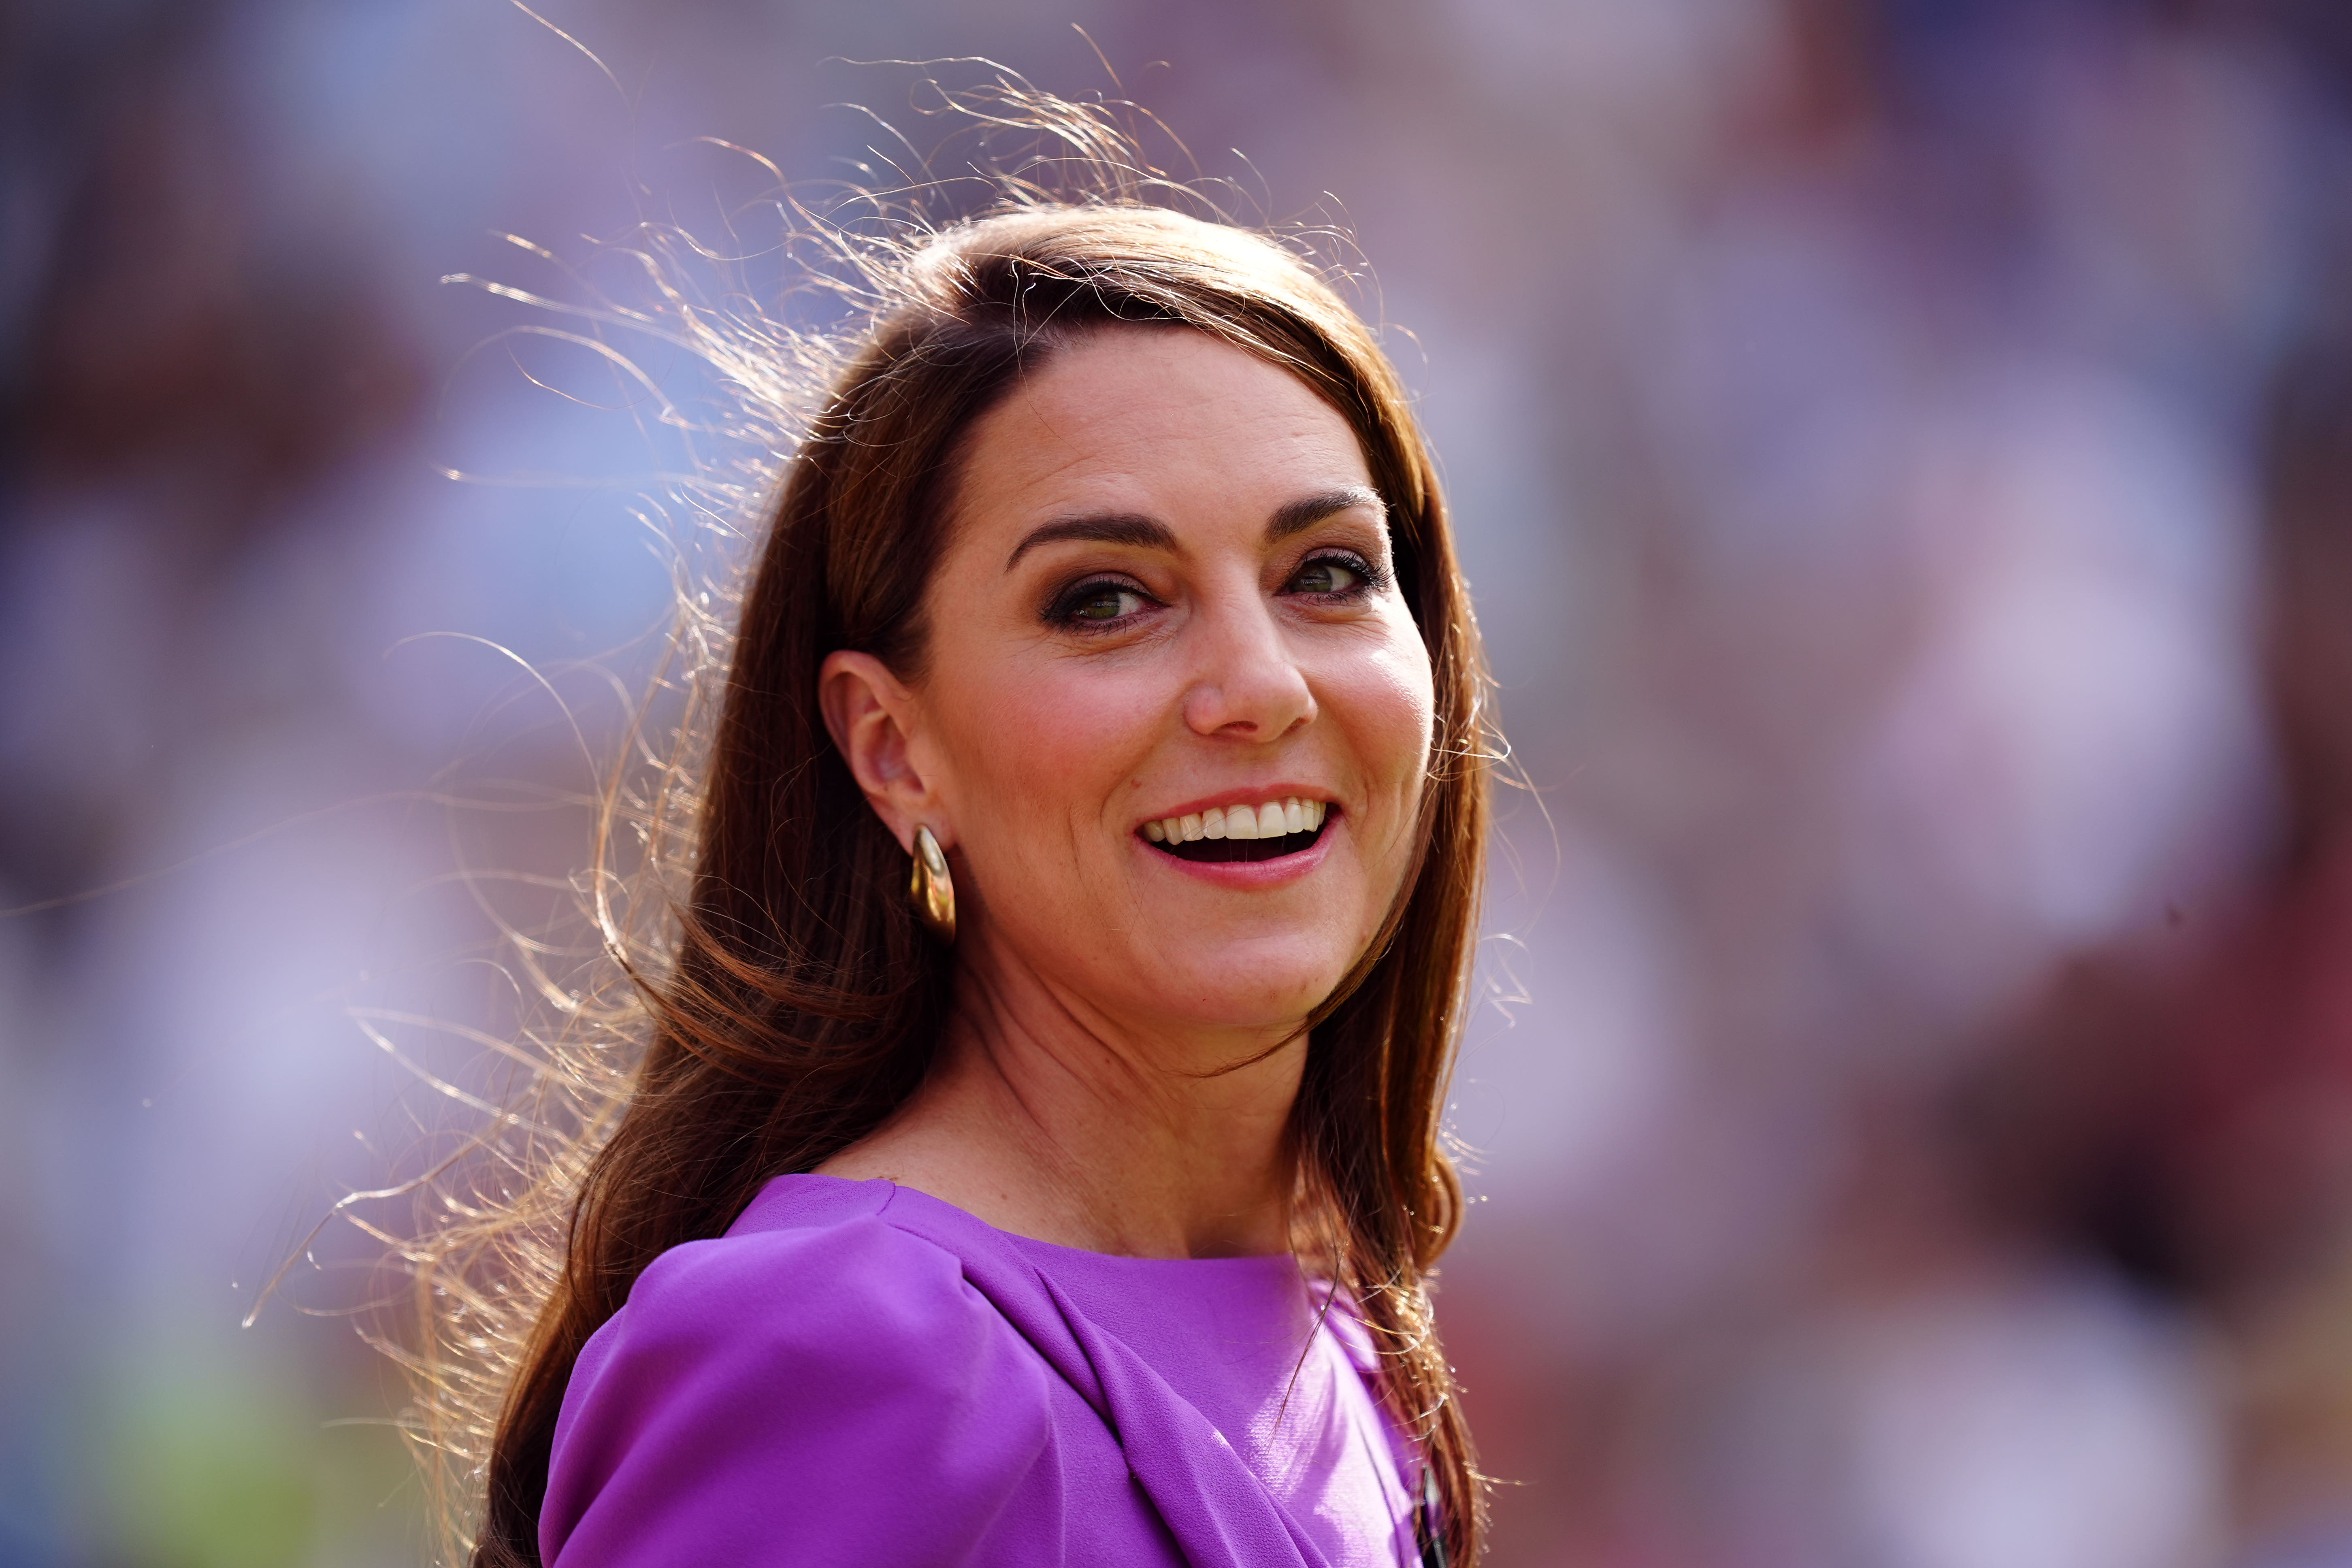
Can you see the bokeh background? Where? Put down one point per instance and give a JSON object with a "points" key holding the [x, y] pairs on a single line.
{"points": [[1904, 452]]}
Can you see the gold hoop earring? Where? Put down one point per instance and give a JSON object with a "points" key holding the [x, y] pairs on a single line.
{"points": [[932, 889]]}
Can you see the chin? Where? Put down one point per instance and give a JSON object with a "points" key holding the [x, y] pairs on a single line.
{"points": [[1245, 985]]}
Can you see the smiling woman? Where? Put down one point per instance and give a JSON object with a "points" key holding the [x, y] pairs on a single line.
{"points": [[1080, 1207]]}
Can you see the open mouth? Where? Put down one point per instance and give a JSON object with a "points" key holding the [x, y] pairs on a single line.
{"points": [[1267, 832]]}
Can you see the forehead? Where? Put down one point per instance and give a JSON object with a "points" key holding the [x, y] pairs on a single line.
{"points": [[1154, 419]]}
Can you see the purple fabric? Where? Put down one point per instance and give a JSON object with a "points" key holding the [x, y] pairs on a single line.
{"points": [[858, 1373]]}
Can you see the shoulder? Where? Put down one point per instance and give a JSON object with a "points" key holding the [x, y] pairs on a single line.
{"points": [[823, 1280], [801, 1380], [855, 1298]]}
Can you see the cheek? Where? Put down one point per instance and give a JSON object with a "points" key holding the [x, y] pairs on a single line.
{"points": [[1037, 752], [1388, 704]]}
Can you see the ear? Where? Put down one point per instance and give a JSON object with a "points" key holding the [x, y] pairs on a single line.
{"points": [[871, 716]]}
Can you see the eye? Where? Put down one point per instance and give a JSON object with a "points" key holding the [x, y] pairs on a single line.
{"points": [[1332, 577], [1101, 602]]}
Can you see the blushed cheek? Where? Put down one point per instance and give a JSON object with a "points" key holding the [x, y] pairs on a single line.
{"points": [[1398, 697], [1051, 755]]}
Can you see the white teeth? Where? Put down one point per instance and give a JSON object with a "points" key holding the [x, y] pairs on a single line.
{"points": [[1273, 819]]}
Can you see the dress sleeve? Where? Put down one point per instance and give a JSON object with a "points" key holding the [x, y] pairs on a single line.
{"points": [[835, 1395]]}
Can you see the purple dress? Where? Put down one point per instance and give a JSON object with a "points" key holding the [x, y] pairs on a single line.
{"points": [[859, 1374]]}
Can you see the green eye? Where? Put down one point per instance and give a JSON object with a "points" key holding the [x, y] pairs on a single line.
{"points": [[1326, 575], [1097, 603]]}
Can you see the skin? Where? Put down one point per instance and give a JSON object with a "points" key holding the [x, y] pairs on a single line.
{"points": [[1128, 1029]]}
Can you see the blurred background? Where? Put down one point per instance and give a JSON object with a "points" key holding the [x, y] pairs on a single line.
{"points": [[1904, 452]]}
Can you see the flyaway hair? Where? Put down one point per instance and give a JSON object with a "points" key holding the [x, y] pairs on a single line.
{"points": [[763, 994]]}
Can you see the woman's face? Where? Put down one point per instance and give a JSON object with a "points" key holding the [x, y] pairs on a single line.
{"points": [[1176, 717]]}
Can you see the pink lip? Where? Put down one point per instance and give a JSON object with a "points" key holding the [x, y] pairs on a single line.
{"points": [[1248, 874], [1234, 797]]}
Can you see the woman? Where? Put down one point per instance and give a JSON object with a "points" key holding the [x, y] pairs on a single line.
{"points": [[1076, 1204]]}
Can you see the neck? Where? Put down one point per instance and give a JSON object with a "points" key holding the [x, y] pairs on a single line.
{"points": [[1048, 1119]]}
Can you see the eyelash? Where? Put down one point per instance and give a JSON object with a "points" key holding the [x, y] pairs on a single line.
{"points": [[1064, 607], [1369, 578]]}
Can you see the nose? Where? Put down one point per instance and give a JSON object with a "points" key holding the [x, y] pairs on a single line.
{"points": [[1246, 684]]}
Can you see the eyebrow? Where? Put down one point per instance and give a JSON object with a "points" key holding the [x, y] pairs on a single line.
{"points": [[1142, 532], [1304, 513], [1100, 528]]}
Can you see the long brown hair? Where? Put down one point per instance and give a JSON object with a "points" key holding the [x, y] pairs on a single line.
{"points": [[797, 1002]]}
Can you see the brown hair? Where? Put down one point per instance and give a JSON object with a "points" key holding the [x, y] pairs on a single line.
{"points": [[802, 1002]]}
